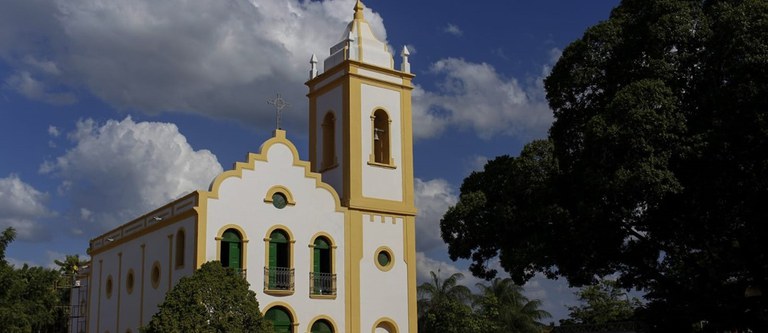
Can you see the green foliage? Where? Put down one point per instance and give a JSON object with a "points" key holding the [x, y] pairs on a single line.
{"points": [[71, 264], [655, 167], [213, 299], [602, 303], [504, 307], [501, 307], [28, 300]]}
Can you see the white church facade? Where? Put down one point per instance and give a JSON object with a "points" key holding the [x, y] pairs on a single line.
{"points": [[328, 244]]}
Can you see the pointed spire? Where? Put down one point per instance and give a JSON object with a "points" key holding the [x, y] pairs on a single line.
{"points": [[313, 67], [405, 66], [359, 10]]}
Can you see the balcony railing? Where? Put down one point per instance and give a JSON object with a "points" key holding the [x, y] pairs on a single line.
{"points": [[278, 278], [322, 283]]}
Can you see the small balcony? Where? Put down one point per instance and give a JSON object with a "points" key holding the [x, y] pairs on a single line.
{"points": [[322, 284], [278, 280]]}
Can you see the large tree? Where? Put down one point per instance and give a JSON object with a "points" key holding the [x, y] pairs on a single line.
{"points": [[656, 167], [212, 299]]}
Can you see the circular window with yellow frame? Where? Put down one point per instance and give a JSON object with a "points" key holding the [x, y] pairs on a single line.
{"points": [[384, 259]]}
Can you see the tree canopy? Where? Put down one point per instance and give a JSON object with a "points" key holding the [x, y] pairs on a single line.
{"points": [[656, 167], [212, 299], [29, 302]]}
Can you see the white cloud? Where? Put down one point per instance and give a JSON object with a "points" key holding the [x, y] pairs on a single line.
{"points": [[433, 198], [23, 83], [475, 96], [53, 131], [121, 169], [218, 58], [23, 207], [453, 30]]}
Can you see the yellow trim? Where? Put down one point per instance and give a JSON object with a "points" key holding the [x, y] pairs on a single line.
{"points": [[409, 228], [388, 251], [353, 242], [170, 261], [286, 306], [383, 322], [98, 308], [156, 277], [330, 320], [281, 189], [181, 233], [160, 212], [213, 194], [243, 240], [141, 303], [312, 262], [291, 252], [119, 286]]}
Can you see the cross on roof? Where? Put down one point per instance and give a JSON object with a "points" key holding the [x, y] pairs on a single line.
{"points": [[279, 104]]}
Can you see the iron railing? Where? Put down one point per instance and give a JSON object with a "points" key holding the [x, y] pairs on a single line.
{"points": [[278, 278], [322, 283]]}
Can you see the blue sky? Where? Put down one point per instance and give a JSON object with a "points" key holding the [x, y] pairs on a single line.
{"points": [[111, 108]]}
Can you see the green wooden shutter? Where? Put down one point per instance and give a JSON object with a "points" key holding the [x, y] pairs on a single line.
{"points": [[316, 269], [234, 255], [272, 264]]}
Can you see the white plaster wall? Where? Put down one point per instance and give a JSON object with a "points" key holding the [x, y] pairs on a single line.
{"points": [[383, 294], [380, 182], [332, 100], [109, 263], [241, 202], [374, 51]]}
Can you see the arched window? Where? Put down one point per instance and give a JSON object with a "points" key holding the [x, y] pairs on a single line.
{"points": [[321, 326], [385, 326], [322, 278], [232, 249], [281, 319], [329, 144], [280, 272], [180, 249], [381, 137]]}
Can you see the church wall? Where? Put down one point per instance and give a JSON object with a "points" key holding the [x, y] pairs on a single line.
{"points": [[241, 205], [380, 182], [123, 310], [383, 294]]}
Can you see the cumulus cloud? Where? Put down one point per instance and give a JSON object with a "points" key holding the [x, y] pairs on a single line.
{"points": [[23, 207], [477, 97], [217, 58], [433, 198], [453, 30], [121, 169]]}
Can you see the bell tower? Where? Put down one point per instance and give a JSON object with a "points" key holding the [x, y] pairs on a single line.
{"points": [[361, 141]]}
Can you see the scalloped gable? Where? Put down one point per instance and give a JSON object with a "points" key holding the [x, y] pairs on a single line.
{"points": [[270, 150]]}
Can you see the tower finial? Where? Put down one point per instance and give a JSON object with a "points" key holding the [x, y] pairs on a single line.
{"points": [[359, 10]]}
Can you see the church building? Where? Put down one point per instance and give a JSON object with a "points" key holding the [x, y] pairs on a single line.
{"points": [[328, 244]]}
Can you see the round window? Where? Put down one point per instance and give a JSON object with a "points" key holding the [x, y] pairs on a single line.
{"points": [[383, 258], [279, 200]]}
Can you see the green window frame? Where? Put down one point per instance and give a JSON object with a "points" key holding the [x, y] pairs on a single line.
{"points": [[232, 249], [280, 319]]}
